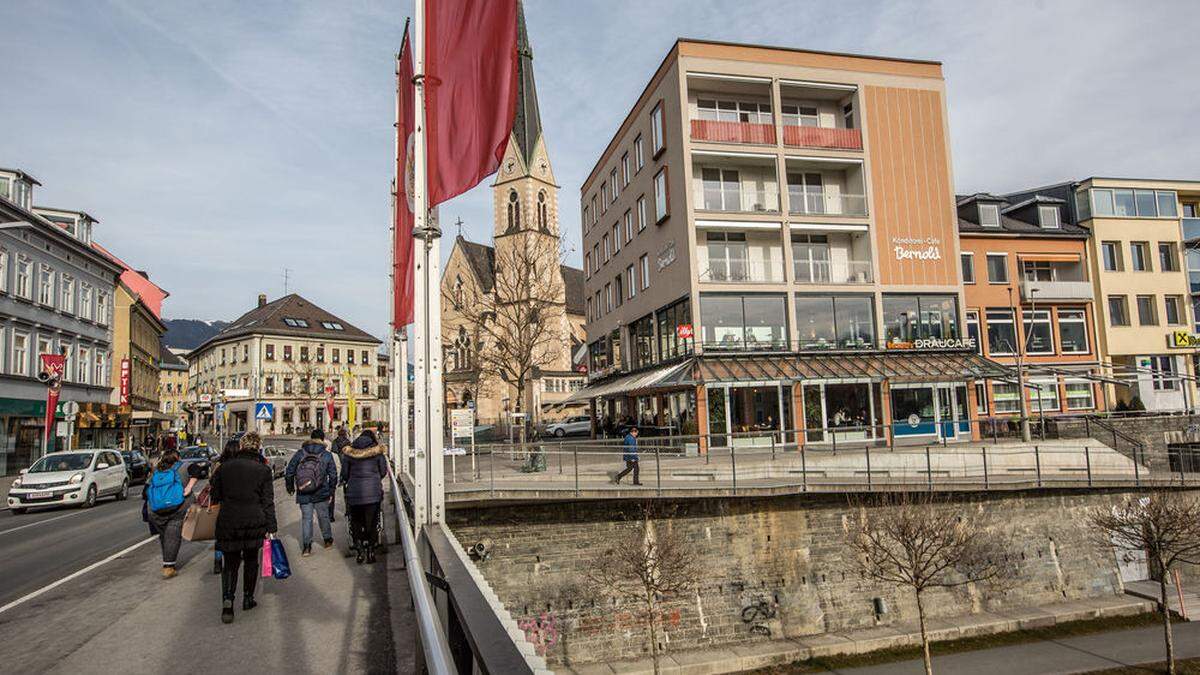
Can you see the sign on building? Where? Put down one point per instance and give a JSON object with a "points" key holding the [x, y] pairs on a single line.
{"points": [[1182, 339]]}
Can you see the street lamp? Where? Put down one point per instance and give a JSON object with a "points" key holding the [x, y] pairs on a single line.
{"points": [[1018, 324]]}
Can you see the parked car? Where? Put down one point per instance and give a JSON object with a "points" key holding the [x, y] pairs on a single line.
{"points": [[580, 425], [70, 478], [137, 466], [277, 459], [199, 454]]}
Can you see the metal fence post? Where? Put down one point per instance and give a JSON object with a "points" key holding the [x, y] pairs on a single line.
{"points": [[658, 469], [1037, 461], [803, 470], [575, 451], [1180, 467], [834, 437], [708, 452], [928, 469], [867, 449], [1137, 469], [772, 447], [1087, 427], [1087, 458], [560, 459], [492, 471], [733, 461], [986, 482]]}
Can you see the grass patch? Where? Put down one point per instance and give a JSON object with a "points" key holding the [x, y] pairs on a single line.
{"points": [[969, 644]]}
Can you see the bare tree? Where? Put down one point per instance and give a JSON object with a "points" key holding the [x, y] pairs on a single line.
{"points": [[310, 376], [1166, 526], [912, 541], [647, 565], [508, 322]]}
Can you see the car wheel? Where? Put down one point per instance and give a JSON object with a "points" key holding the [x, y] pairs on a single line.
{"points": [[17, 511], [90, 500], [560, 432], [124, 493]]}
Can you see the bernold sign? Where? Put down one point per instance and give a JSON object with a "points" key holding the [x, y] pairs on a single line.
{"points": [[918, 248], [1182, 339]]}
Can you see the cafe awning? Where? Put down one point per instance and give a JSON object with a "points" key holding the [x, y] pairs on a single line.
{"points": [[672, 375], [898, 367]]}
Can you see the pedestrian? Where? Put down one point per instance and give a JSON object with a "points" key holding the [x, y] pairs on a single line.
{"points": [[231, 448], [340, 443], [168, 493], [630, 457], [312, 477], [244, 489], [363, 471]]}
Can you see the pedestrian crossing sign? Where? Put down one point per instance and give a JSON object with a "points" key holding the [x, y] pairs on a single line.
{"points": [[264, 411]]}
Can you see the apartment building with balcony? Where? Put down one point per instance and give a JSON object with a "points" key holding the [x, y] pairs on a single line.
{"points": [[1142, 294], [770, 245], [1029, 303]]}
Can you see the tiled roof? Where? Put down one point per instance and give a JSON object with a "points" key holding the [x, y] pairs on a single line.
{"points": [[147, 291], [291, 316], [1013, 226]]}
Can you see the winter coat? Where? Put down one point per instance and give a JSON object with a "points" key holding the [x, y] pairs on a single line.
{"points": [[340, 443], [364, 469], [244, 488], [328, 468]]}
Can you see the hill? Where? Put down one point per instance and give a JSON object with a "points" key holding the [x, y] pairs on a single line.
{"points": [[190, 333]]}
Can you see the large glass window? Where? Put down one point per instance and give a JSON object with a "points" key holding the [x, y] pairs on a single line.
{"points": [[1047, 391], [1005, 398], [810, 257], [1072, 331], [722, 189], [1039, 335], [642, 334], [1125, 203], [1001, 332], [671, 342], [838, 322], [1079, 395], [736, 321], [913, 317], [726, 256], [1164, 373], [907, 403]]}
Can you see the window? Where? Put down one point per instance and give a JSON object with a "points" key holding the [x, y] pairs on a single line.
{"points": [[270, 384], [848, 115], [968, 267], [102, 308], [608, 298], [1037, 270], [811, 258], [749, 320], [101, 376], [1082, 205], [973, 329], [1166, 204], [1147, 312], [320, 355], [24, 285], [287, 352], [630, 282], [997, 266], [1072, 331], [513, 211], [727, 257], [366, 386], [616, 187], [85, 301], [350, 356], [287, 385], [837, 322], [661, 206], [303, 354], [914, 317], [366, 357], [607, 248], [1168, 258], [331, 325], [45, 285], [1043, 397], [734, 111], [20, 354], [1102, 202], [1048, 217], [1118, 310], [337, 356], [670, 318], [989, 215], [1124, 202], [270, 352], [627, 219], [295, 323], [1139, 256], [644, 270], [795, 115], [1174, 306], [1163, 371], [625, 169], [1111, 251], [657, 141], [1005, 398], [586, 219], [618, 290], [616, 238], [642, 214], [3, 271], [639, 155], [1079, 395], [595, 212], [596, 257], [722, 189], [543, 212], [1001, 332], [587, 265], [1038, 332]]}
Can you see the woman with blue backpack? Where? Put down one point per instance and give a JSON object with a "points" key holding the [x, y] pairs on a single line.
{"points": [[168, 494]]}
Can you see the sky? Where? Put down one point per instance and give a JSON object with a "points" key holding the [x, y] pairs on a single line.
{"points": [[222, 143]]}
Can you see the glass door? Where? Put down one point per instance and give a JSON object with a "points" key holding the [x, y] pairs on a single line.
{"points": [[946, 425]]}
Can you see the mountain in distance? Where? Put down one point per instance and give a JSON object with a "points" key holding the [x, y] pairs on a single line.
{"points": [[190, 333]]}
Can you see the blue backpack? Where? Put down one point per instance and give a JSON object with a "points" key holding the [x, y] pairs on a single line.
{"points": [[164, 492]]}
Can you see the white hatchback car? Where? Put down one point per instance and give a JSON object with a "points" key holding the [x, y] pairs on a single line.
{"points": [[70, 478]]}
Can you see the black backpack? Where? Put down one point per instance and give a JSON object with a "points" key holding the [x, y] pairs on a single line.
{"points": [[310, 475]]}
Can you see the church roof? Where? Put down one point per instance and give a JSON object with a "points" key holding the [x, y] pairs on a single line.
{"points": [[527, 125], [482, 259]]}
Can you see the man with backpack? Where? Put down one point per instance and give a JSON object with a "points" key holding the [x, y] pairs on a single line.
{"points": [[311, 475]]}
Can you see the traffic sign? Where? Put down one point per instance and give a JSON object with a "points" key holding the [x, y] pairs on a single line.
{"points": [[221, 407], [264, 411], [70, 408]]}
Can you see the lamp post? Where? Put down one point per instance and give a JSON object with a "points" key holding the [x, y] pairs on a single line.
{"points": [[1018, 321]]}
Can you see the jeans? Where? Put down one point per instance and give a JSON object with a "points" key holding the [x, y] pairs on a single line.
{"points": [[306, 514], [364, 522], [249, 559], [631, 465]]}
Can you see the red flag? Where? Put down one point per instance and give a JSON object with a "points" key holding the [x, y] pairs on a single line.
{"points": [[402, 246], [53, 365], [470, 91]]}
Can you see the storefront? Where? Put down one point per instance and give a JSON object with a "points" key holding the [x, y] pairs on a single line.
{"points": [[939, 411]]}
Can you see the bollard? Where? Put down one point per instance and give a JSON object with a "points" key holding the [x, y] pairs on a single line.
{"points": [[1037, 460], [867, 449], [986, 483], [733, 461], [1087, 458], [928, 469], [575, 451]]}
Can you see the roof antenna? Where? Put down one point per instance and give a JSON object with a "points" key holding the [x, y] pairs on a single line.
{"points": [[287, 273]]}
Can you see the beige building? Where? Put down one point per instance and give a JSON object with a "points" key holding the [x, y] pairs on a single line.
{"points": [[137, 335], [526, 252], [289, 353], [173, 388]]}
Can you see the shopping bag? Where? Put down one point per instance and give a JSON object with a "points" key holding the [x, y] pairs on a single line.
{"points": [[204, 499], [266, 567], [200, 524], [279, 562]]}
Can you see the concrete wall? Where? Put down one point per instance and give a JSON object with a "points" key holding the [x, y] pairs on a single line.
{"points": [[789, 551]]}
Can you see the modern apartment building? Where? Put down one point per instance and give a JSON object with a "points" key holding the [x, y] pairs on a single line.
{"points": [[1029, 303], [771, 245], [1141, 289], [56, 296], [292, 354]]}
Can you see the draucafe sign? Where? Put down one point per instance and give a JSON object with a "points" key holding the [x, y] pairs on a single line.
{"points": [[933, 343], [910, 248]]}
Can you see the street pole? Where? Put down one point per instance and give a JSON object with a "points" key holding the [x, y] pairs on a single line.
{"points": [[1019, 325], [402, 401]]}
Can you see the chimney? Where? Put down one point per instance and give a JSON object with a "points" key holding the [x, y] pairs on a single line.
{"points": [[262, 299]]}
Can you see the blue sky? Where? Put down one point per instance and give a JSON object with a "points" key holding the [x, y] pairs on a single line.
{"points": [[219, 143]]}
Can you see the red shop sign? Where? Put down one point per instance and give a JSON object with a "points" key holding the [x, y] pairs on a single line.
{"points": [[684, 331]]}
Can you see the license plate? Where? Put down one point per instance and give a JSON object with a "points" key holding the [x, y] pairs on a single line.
{"points": [[41, 495]]}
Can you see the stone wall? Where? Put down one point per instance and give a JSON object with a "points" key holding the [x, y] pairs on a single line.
{"points": [[1154, 432], [788, 551]]}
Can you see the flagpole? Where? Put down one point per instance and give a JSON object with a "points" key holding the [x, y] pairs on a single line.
{"points": [[398, 353]]}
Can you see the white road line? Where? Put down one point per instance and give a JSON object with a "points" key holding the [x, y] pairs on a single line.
{"points": [[42, 522], [75, 575]]}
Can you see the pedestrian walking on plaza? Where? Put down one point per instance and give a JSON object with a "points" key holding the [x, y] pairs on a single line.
{"points": [[341, 442], [244, 489], [231, 448], [167, 494], [312, 476], [630, 457], [364, 469]]}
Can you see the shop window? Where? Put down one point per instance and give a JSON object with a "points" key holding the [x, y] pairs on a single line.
{"points": [[1001, 332], [642, 335], [1047, 392], [744, 321], [1079, 395], [1005, 398], [670, 319], [912, 317], [1164, 373], [837, 322]]}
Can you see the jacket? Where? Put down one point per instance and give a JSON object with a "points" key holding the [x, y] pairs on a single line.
{"points": [[340, 443], [244, 488], [328, 469], [631, 449], [364, 468]]}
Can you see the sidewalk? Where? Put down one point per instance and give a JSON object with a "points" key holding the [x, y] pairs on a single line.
{"points": [[330, 616], [742, 657]]}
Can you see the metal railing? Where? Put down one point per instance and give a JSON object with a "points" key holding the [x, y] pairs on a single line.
{"points": [[821, 203], [832, 271], [736, 199], [742, 271]]}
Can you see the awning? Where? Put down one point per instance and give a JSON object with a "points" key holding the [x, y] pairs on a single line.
{"points": [[1050, 257], [893, 367], [672, 375]]}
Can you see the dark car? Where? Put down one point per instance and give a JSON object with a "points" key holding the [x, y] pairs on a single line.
{"points": [[198, 454], [137, 466]]}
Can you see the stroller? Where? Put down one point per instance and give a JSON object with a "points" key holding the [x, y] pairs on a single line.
{"points": [[380, 531]]}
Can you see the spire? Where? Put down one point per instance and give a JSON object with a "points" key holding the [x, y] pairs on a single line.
{"points": [[527, 126]]}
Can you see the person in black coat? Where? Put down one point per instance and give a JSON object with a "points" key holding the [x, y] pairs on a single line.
{"points": [[244, 489], [364, 468]]}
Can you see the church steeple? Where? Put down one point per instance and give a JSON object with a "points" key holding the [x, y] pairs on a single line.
{"points": [[527, 126]]}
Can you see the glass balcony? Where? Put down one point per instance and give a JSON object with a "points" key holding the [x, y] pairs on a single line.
{"points": [[735, 185], [816, 202], [741, 271], [824, 187], [832, 271]]}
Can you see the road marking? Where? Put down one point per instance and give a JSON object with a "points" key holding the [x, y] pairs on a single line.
{"points": [[43, 522], [69, 577]]}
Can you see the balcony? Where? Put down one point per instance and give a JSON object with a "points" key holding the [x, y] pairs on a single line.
{"points": [[818, 186], [715, 131], [728, 184], [819, 115], [742, 272], [810, 202], [832, 272], [821, 138], [732, 256], [1055, 291], [1191, 229]]}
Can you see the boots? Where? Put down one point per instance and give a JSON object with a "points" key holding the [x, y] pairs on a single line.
{"points": [[227, 610], [370, 554], [360, 552], [248, 603]]}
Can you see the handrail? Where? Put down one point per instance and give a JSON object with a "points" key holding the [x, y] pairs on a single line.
{"points": [[433, 640]]}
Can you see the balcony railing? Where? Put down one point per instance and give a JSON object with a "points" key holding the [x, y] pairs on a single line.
{"points": [[733, 132], [832, 271], [742, 272], [1055, 290], [822, 204], [821, 137], [735, 200]]}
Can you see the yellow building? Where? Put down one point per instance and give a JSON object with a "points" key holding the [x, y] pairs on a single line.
{"points": [[173, 388], [137, 336]]}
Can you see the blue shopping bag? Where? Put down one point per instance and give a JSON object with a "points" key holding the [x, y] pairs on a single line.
{"points": [[280, 568]]}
